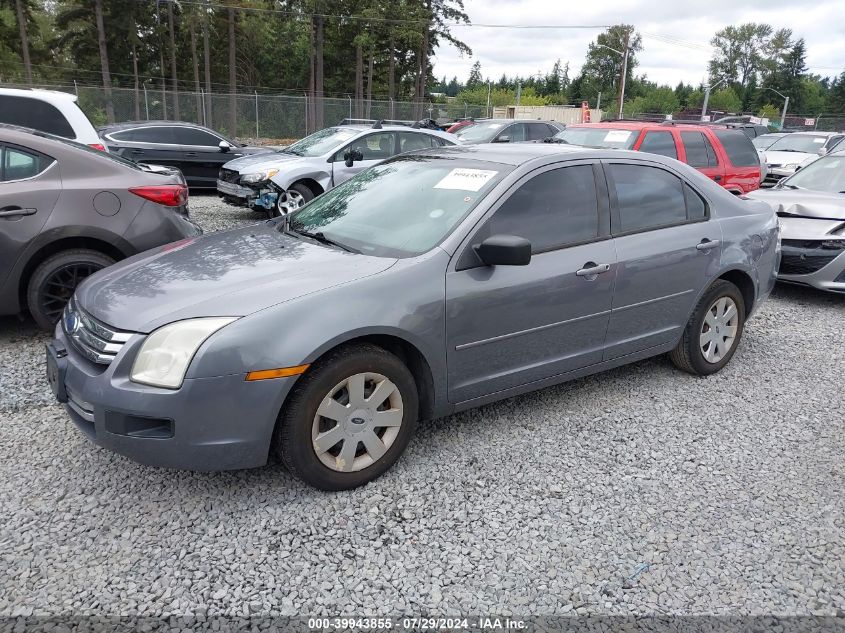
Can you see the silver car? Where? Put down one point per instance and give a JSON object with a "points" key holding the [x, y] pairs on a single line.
{"points": [[797, 150], [283, 181], [434, 282], [811, 208]]}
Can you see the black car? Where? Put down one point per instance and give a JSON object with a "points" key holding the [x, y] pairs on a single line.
{"points": [[196, 150]]}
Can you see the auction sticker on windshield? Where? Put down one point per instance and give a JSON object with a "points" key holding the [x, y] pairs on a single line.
{"points": [[617, 136], [466, 179]]}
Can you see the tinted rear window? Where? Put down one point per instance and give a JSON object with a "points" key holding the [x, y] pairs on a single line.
{"points": [[659, 143], [740, 149], [699, 151], [35, 114]]}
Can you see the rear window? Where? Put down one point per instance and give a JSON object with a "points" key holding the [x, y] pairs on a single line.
{"points": [[20, 164], [35, 114], [739, 148], [699, 151], [93, 152]]}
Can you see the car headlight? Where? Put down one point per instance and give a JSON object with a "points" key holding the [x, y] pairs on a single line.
{"points": [[791, 166], [258, 176], [164, 357]]}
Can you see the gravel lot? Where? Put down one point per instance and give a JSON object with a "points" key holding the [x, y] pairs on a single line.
{"points": [[729, 488]]}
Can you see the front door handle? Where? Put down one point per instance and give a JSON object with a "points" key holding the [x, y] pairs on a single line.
{"points": [[706, 244], [717, 177], [190, 153], [14, 212], [591, 269]]}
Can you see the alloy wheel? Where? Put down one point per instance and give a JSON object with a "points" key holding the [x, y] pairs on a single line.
{"points": [[718, 332], [58, 288], [289, 201], [357, 422]]}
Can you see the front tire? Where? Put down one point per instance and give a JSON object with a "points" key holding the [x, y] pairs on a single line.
{"points": [[348, 419], [297, 195], [52, 284], [713, 331]]}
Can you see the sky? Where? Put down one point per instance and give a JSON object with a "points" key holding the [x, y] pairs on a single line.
{"points": [[675, 34]]}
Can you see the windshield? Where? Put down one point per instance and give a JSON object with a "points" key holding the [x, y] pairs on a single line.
{"points": [[480, 132], [401, 208], [598, 137], [825, 174], [765, 141], [321, 142], [806, 143]]}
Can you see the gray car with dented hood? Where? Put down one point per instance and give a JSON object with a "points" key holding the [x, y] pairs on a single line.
{"points": [[810, 206], [434, 282]]}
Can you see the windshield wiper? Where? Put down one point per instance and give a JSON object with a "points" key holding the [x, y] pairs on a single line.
{"points": [[320, 237], [288, 150]]}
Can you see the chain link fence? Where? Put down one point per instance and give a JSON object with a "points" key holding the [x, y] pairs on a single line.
{"points": [[251, 116]]}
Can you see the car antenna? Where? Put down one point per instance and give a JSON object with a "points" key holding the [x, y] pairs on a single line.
{"points": [[377, 125]]}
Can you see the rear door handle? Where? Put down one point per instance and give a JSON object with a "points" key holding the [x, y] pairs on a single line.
{"points": [[13, 212], [591, 269], [706, 245], [717, 177], [190, 153]]}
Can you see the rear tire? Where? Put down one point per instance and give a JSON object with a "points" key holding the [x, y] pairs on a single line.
{"points": [[713, 332], [362, 434], [52, 284]]}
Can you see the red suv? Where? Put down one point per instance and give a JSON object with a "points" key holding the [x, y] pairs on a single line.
{"points": [[723, 154]]}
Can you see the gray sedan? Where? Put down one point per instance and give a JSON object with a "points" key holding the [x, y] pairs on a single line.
{"points": [[432, 283], [811, 208]]}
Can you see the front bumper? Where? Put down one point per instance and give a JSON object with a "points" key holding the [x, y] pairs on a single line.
{"points": [[209, 424], [810, 263]]}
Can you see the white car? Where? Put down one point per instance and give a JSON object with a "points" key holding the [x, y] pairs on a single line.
{"points": [[48, 111]]}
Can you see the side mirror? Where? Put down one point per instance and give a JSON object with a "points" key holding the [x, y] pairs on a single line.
{"points": [[504, 250], [822, 151], [224, 146], [504, 138], [351, 155]]}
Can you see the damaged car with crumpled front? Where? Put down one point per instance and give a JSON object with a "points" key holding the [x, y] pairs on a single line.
{"points": [[811, 210], [280, 182]]}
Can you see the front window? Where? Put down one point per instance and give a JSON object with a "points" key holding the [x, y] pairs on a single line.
{"points": [[401, 208], [599, 137], [826, 174], [806, 143], [322, 142]]}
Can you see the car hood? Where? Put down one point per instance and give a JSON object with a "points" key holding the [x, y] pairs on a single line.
{"points": [[803, 202], [260, 162], [787, 158], [232, 273]]}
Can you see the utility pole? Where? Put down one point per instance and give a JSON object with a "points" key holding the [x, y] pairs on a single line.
{"points": [[783, 114], [707, 96], [624, 73]]}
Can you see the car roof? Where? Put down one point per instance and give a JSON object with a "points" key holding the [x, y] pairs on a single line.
{"points": [[152, 123], [515, 154], [656, 125], [50, 96]]}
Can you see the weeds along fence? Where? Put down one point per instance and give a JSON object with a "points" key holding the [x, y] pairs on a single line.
{"points": [[254, 115]]}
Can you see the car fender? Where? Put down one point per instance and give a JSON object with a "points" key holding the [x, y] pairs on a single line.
{"points": [[300, 331], [119, 246], [286, 177]]}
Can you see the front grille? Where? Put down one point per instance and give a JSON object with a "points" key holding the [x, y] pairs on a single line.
{"points": [[94, 340], [805, 257], [229, 175]]}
